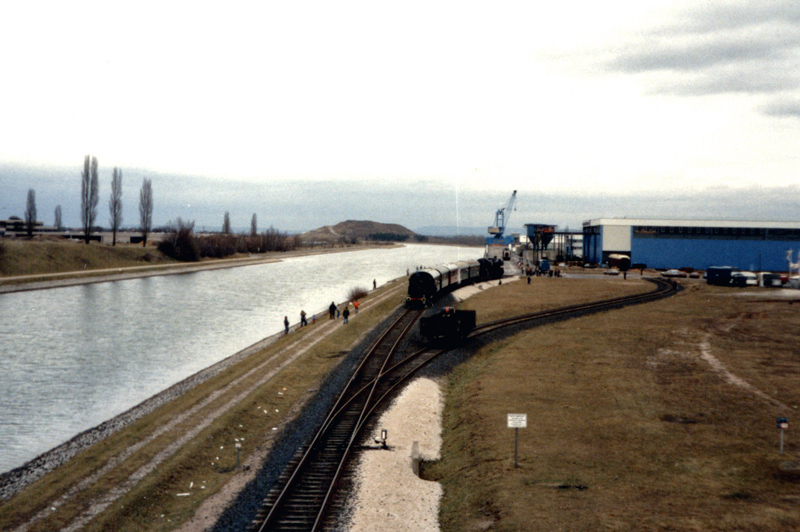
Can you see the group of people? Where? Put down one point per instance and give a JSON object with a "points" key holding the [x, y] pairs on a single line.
{"points": [[534, 271], [334, 311]]}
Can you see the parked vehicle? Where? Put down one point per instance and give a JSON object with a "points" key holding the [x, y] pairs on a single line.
{"points": [[719, 275], [619, 261], [674, 273], [611, 271], [744, 279]]}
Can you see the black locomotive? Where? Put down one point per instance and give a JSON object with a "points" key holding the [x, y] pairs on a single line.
{"points": [[449, 325]]}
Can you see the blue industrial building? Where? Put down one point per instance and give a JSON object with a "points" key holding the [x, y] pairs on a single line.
{"points": [[746, 245]]}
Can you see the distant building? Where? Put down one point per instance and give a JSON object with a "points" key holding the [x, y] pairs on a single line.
{"points": [[547, 242], [14, 227], [665, 243]]}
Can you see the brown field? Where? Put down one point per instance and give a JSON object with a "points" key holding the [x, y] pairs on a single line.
{"points": [[25, 257], [636, 420], [660, 416]]}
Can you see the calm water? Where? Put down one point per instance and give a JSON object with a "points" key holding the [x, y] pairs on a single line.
{"points": [[74, 357]]}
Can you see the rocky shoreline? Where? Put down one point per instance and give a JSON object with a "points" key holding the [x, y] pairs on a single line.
{"points": [[17, 479]]}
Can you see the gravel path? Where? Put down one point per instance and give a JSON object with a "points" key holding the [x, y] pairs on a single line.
{"points": [[389, 495]]}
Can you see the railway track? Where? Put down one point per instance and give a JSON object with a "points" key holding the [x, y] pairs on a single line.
{"points": [[306, 491]]}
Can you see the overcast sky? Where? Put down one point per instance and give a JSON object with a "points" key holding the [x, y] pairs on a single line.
{"points": [[592, 100]]}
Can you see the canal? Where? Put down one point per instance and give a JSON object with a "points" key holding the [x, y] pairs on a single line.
{"points": [[74, 357]]}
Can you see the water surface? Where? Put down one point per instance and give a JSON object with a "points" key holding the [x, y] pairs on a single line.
{"points": [[74, 357]]}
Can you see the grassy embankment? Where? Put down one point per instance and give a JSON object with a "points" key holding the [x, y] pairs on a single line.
{"points": [[205, 464], [630, 426], [39, 257]]}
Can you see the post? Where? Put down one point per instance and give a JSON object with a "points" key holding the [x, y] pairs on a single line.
{"points": [[783, 424], [516, 422]]}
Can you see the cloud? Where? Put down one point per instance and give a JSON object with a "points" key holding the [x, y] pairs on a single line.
{"points": [[740, 47], [783, 107]]}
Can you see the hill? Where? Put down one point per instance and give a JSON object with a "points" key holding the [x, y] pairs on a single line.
{"points": [[352, 231]]}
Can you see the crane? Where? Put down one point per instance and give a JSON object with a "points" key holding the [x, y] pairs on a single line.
{"points": [[501, 218]]}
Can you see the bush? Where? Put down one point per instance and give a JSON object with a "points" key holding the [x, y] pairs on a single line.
{"points": [[217, 246], [180, 243], [356, 293]]}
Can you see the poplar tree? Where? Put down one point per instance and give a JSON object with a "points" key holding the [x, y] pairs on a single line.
{"points": [[90, 196], [115, 204], [30, 213], [146, 209]]}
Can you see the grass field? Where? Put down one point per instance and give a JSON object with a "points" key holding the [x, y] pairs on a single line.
{"points": [[24, 257], [655, 417]]}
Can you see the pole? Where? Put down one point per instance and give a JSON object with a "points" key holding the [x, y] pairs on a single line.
{"points": [[516, 444], [781, 441]]}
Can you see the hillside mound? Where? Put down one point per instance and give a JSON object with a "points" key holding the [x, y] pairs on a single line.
{"points": [[352, 231]]}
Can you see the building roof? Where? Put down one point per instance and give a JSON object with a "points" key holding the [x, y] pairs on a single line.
{"points": [[690, 223]]}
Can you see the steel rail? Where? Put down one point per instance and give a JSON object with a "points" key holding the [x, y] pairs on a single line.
{"points": [[365, 372], [362, 417], [367, 395], [663, 289]]}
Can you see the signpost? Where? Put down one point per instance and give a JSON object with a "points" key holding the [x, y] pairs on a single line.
{"points": [[783, 424], [516, 422]]}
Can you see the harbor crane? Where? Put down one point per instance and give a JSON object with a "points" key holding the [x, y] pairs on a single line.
{"points": [[501, 218]]}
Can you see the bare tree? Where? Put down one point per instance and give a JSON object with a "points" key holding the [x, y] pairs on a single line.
{"points": [[146, 209], [253, 226], [90, 196], [115, 204], [57, 222], [226, 223], [30, 213]]}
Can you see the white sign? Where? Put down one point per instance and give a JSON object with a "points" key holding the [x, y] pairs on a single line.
{"points": [[517, 421]]}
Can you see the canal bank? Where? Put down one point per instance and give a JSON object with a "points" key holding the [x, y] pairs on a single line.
{"points": [[91, 352], [183, 446]]}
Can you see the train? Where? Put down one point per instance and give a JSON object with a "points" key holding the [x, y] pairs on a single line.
{"points": [[449, 325], [428, 283]]}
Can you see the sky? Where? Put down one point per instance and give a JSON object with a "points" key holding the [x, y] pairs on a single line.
{"points": [[419, 113]]}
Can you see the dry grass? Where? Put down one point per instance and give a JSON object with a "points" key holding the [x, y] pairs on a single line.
{"points": [[206, 463], [628, 427], [24, 257]]}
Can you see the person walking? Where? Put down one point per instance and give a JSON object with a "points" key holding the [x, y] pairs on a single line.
{"points": [[303, 321], [286, 324], [374, 284], [355, 304], [332, 310], [346, 314]]}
